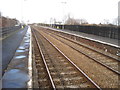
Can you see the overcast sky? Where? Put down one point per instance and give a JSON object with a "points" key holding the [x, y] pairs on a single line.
{"points": [[94, 11]]}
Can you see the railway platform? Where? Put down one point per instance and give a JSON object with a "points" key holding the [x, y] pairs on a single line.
{"points": [[10, 43], [17, 74], [109, 41]]}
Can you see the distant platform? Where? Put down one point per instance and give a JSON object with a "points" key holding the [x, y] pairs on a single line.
{"points": [[105, 40]]}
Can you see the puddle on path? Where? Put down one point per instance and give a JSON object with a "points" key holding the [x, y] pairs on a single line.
{"points": [[20, 57], [26, 49], [26, 44], [15, 78], [26, 37], [20, 50], [27, 41], [20, 66], [21, 47]]}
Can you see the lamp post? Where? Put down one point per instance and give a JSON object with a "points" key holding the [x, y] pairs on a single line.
{"points": [[22, 10], [119, 13], [63, 3]]}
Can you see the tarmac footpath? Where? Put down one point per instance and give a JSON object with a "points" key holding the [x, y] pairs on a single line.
{"points": [[9, 46], [19, 71]]}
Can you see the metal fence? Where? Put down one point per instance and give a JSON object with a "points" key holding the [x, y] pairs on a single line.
{"points": [[7, 30]]}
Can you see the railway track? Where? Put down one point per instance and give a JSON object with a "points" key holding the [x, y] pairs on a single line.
{"points": [[42, 76], [56, 70], [108, 62]]}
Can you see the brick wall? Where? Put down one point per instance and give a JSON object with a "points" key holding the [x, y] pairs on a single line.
{"points": [[7, 22]]}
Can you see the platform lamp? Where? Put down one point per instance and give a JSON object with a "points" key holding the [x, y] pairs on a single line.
{"points": [[63, 3], [119, 13]]}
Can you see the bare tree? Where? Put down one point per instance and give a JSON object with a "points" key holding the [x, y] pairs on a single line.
{"points": [[83, 21], [115, 21], [72, 21], [106, 21]]}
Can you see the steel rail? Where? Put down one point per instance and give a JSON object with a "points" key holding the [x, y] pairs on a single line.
{"points": [[73, 64], [43, 58], [117, 72], [89, 47]]}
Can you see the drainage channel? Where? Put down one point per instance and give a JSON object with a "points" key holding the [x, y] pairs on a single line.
{"points": [[18, 72]]}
